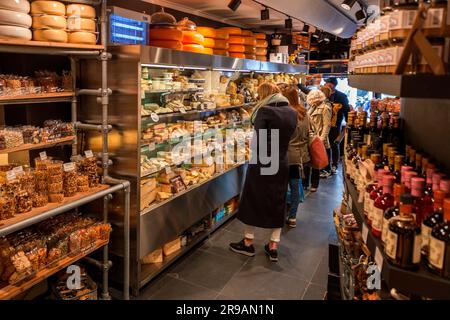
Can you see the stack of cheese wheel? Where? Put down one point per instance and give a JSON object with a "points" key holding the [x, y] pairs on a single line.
{"points": [[163, 32], [49, 21], [14, 19], [249, 44], [209, 35], [236, 42], [192, 40], [261, 46], [81, 24], [221, 44]]}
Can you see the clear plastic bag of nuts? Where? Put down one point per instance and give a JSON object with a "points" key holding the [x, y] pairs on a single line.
{"points": [[55, 181], [70, 185], [24, 202], [82, 183], [88, 166], [7, 207]]}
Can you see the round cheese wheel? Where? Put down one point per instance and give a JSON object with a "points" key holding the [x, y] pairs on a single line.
{"points": [[237, 55], [260, 36], [249, 41], [247, 33], [250, 56], [171, 34], [16, 5], [236, 40], [209, 43], [221, 52], [80, 24], [221, 44], [261, 58], [176, 45], [47, 21], [236, 48], [83, 37], [262, 44], [233, 31], [208, 51], [222, 34], [14, 18], [194, 47], [48, 7], [250, 50], [192, 37], [52, 35], [207, 32], [15, 32], [80, 11], [261, 51]]}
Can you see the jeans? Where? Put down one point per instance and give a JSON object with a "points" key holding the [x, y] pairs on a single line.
{"points": [[249, 233], [296, 196], [335, 148]]}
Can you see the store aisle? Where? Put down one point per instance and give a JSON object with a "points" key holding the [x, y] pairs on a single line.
{"points": [[211, 271]]}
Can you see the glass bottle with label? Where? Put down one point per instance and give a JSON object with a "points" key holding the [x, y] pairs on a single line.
{"points": [[439, 256], [398, 162], [431, 221], [407, 181], [423, 204], [403, 241], [437, 177], [418, 167], [375, 158], [412, 158], [386, 154], [392, 211], [381, 204], [374, 194], [430, 170], [391, 159]]}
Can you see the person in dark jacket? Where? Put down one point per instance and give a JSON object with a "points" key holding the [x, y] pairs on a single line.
{"points": [[263, 199], [340, 107]]}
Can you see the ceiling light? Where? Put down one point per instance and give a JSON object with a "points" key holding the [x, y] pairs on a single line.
{"points": [[305, 28], [234, 4], [359, 15], [265, 15], [317, 33], [348, 4], [288, 23]]}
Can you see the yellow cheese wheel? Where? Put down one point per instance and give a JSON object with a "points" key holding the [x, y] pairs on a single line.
{"points": [[83, 37], [166, 34], [52, 35], [262, 44], [221, 44], [208, 51], [250, 49], [249, 41], [233, 31], [236, 40], [192, 37], [260, 36], [47, 21], [80, 11], [48, 7], [237, 55], [194, 47], [236, 48], [176, 45], [261, 58], [80, 24], [209, 43], [221, 52], [247, 33], [250, 56], [261, 51], [207, 32], [222, 34]]}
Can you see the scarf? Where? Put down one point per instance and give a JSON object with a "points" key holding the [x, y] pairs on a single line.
{"points": [[273, 98]]}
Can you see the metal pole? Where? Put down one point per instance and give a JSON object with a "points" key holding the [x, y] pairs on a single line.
{"points": [[73, 68], [126, 240], [104, 96], [105, 293]]}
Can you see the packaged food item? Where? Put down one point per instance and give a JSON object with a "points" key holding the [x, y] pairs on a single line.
{"points": [[70, 184], [23, 201], [7, 207], [88, 166], [39, 200], [56, 197], [82, 183]]}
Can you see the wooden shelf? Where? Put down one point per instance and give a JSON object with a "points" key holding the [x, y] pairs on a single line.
{"points": [[44, 47], [8, 291], [42, 145], [37, 98], [38, 214]]}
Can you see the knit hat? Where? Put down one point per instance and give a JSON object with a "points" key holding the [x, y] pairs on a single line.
{"points": [[315, 98]]}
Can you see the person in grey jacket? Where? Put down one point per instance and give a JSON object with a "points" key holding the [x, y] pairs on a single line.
{"points": [[298, 153]]}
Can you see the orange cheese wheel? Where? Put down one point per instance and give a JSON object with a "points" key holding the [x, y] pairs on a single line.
{"points": [[250, 50], [194, 48], [166, 34], [221, 52], [207, 32], [236, 48], [192, 37], [260, 36], [250, 56], [247, 33], [237, 55], [233, 31], [249, 41], [208, 51], [261, 58], [221, 44], [222, 34], [262, 44], [176, 45], [261, 51], [209, 43], [236, 40]]}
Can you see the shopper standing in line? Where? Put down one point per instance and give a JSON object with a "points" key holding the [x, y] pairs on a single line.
{"points": [[340, 110], [263, 199], [326, 172], [298, 154], [320, 119]]}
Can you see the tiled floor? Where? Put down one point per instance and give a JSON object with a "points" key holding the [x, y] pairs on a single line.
{"points": [[212, 271]]}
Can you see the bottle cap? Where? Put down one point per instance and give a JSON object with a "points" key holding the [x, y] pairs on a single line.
{"points": [[444, 186], [406, 198], [399, 160], [417, 186], [388, 180]]}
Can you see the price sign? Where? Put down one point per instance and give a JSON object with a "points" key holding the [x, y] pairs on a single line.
{"points": [[89, 154], [10, 175], [182, 110], [365, 233], [69, 166], [18, 170], [43, 155], [168, 170], [154, 117], [379, 259]]}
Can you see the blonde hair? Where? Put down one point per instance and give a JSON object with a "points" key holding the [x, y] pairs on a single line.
{"points": [[326, 90], [266, 89], [315, 98]]}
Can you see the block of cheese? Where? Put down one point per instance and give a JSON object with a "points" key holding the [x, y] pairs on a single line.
{"points": [[250, 56], [153, 257], [161, 196], [192, 37], [48, 7], [261, 58], [262, 44], [209, 43], [247, 33], [80, 24], [260, 36], [261, 51], [16, 5], [221, 52], [236, 48], [207, 32], [176, 45], [82, 37], [249, 41], [222, 34], [167, 34], [250, 49], [172, 247], [236, 40], [80, 11], [51, 35], [148, 185], [48, 21], [193, 48], [14, 18], [233, 31], [208, 51], [221, 44], [167, 188], [15, 32], [237, 55], [148, 198]]}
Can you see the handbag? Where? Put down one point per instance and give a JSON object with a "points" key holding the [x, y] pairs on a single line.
{"points": [[317, 153]]}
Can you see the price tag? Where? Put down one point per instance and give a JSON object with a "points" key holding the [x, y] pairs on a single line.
{"points": [[379, 259], [43, 155], [18, 170], [365, 233], [89, 154], [154, 117], [69, 166], [10, 175], [151, 146], [182, 110], [168, 170]]}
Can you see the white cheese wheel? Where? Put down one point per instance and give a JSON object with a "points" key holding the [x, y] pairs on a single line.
{"points": [[14, 18], [48, 7], [80, 24], [15, 32], [15, 5], [80, 11], [52, 35], [82, 37], [49, 22]]}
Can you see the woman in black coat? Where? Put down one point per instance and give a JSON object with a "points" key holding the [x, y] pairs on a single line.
{"points": [[263, 200]]}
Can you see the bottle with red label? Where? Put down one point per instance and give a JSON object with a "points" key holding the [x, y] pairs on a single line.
{"points": [[376, 159], [423, 204], [392, 211], [431, 221], [381, 204], [439, 256], [437, 177], [407, 181], [374, 194]]}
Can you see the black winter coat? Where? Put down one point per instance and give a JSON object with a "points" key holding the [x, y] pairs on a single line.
{"points": [[263, 199]]}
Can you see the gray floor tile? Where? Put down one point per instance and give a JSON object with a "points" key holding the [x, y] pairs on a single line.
{"points": [[219, 244], [321, 274], [314, 292]]}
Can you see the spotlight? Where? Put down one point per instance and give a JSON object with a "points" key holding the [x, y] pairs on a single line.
{"points": [[265, 14], [317, 33], [234, 4], [326, 39], [359, 15], [348, 4], [288, 23], [305, 28]]}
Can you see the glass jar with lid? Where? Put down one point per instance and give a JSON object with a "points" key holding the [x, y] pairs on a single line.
{"points": [[436, 22], [401, 20]]}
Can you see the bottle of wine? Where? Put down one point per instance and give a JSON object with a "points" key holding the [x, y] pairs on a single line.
{"points": [[431, 221], [376, 159], [392, 211], [386, 155], [407, 181], [391, 159], [423, 204], [412, 157], [398, 162], [374, 194], [439, 257], [381, 204], [418, 167]]}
